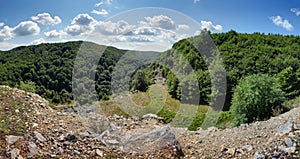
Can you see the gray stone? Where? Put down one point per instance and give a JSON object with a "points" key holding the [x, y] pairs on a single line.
{"points": [[286, 128], [258, 156], [114, 144], [11, 139], [39, 136], [60, 151], [152, 116], [76, 152], [290, 150], [288, 142], [95, 123], [108, 131], [157, 139], [14, 153], [247, 147], [33, 150], [99, 152], [231, 151]]}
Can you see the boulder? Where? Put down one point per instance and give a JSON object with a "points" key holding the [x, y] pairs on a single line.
{"points": [[159, 138]]}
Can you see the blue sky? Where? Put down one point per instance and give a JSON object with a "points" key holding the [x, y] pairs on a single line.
{"points": [[131, 23]]}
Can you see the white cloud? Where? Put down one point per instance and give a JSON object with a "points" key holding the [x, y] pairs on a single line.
{"points": [[6, 33], [279, 21], [1, 24], [196, 1], [113, 28], [209, 26], [102, 12], [75, 30], [159, 29], [54, 34], [26, 28], [46, 19], [183, 27], [171, 36], [160, 21], [99, 4], [296, 11], [38, 41], [83, 19], [82, 24]]}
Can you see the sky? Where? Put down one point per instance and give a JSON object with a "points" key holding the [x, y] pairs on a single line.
{"points": [[136, 24]]}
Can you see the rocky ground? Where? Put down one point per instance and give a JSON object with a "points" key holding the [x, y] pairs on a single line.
{"points": [[31, 129]]}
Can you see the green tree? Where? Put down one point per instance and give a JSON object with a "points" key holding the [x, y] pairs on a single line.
{"points": [[255, 97], [139, 81]]}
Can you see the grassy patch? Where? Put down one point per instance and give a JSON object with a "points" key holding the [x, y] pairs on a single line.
{"points": [[290, 104], [13, 114]]}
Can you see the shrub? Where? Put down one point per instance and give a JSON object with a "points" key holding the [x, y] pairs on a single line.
{"points": [[27, 86], [255, 97]]}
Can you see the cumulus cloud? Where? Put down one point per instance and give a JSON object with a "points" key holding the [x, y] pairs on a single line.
{"points": [[26, 28], [153, 29], [102, 12], [82, 24], [6, 33], [209, 26], [183, 27], [296, 11], [46, 19], [160, 21], [54, 34], [1, 24], [171, 36], [113, 28], [279, 21], [83, 19], [75, 30]]}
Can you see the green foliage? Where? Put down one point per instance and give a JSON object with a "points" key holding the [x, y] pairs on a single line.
{"points": [[28, 86], [140, 81], [289, 81], [197, 122], [242, 55], [166, 114], [48, 68], [254, 98]]}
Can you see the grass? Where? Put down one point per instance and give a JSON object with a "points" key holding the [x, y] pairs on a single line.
{"points": [[157, 101], [13, 115], [290, 104]]}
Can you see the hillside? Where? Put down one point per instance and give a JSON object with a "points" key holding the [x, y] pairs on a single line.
{"points": [[241, 54], [46, 133], [48, 68]]}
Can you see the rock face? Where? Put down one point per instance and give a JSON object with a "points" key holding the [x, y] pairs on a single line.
{"points": [[157, 139], [84, 133]]}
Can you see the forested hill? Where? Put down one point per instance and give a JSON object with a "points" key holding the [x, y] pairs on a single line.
{"points": [[243, 55], [47, 68]]}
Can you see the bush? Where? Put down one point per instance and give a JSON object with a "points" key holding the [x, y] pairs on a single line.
{"points": [[255, 97], [27, 86]]}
